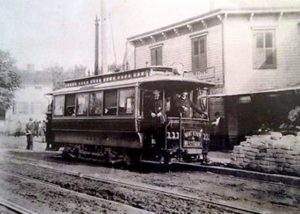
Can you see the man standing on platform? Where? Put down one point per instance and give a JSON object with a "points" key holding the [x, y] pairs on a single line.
{"points": [[184, 106], [158, 118]]}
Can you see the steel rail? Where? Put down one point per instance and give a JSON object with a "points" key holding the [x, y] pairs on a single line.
{"points": [[21, 210], [151, 189], [277, 183], [15, 207], [168, 193]]}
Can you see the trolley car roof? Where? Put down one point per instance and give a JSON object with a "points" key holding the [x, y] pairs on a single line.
{"points": [[154, 77]]}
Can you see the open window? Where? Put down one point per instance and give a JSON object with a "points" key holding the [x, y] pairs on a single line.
{"points": [[126, 101], [59, 105], [82, 102], [96, 101], [110, 102], [70, 105], [201, 101]]}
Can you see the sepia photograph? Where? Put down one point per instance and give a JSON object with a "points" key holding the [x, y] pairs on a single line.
{"points": [[149, 106]]}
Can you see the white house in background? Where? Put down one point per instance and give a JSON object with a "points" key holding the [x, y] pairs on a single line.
{"points": [[30, 101], [252, 55]]}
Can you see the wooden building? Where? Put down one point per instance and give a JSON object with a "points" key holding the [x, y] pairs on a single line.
{"points": [[252, 55]]}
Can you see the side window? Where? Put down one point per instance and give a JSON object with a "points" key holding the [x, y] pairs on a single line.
{"points": [[82, 102], [59, 105], [264, 49], [96, 100], [200, 99], [110, 102], [70, 105], [156, 56], [126, 101]]}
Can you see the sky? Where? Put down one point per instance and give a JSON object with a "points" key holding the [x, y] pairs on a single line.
{"points": [[61, 32]]}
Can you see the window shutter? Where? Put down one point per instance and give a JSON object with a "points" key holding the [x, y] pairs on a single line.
{"points": [[159, 56], [195, 54], [153, 59]]}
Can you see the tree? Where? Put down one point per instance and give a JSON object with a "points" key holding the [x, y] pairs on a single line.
{"points": [[9, 80], [114, 67], [59, 75]]}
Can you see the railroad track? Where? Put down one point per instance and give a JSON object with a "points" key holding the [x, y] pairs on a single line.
{"points": [[193, 167], [13, 207], [20, 210], [147, 188], [167, 193]]}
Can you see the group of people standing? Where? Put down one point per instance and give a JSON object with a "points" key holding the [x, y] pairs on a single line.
{"points": [[183, 106], [34, 129]]}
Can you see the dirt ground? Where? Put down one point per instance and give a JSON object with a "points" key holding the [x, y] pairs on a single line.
{"points": [[253, 194]]}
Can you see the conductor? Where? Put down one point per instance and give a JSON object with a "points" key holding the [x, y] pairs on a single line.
{"points": [[184, 106]]}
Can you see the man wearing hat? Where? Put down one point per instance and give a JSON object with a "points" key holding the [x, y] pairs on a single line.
{"points": [[29, 129], [158, 118], [184, 105]]}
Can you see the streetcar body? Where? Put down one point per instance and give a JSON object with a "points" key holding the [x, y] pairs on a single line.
{"points": [[105, 116]]}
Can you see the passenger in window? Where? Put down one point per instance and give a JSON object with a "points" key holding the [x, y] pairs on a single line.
{"points": [[184, 105], [97, 110], [168, 105], [70, 111]]}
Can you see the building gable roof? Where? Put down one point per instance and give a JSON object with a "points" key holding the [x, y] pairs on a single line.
{"points": [[218, 13]]}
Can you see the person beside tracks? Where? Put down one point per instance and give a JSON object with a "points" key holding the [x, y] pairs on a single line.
{"points": [[29, 130], [219, 132]]}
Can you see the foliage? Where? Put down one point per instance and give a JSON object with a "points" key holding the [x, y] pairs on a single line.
{"points": [[114, 67], [58, 74], [9, 80]]}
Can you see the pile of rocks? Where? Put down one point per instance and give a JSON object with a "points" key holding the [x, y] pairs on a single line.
{"points": [[271, 152]]}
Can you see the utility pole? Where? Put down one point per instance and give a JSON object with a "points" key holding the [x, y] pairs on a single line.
{"points": [[96, 72], [103, 38]]}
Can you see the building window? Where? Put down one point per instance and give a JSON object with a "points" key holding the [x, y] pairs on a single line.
{"points": [[59, 105], [126, 101], [96, 99], [110, 102], [82, 102], [264, 55], [199, 54], [156, 56]]}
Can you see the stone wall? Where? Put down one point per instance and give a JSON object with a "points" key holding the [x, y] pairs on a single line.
{"points": [[271, 152]]}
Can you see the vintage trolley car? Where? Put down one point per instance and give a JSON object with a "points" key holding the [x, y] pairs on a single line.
{"points": [[108, 116]]}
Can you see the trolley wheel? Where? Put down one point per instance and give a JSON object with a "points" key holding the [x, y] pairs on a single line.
{"points": [[132, 158], [167, 158], [55, 147], [66, 155]]}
